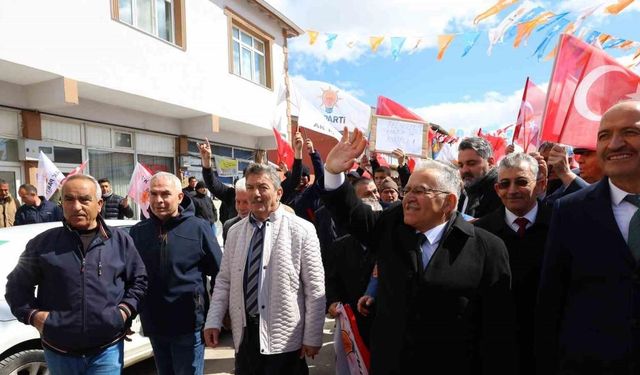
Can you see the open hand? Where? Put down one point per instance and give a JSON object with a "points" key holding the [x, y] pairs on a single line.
{"points": [[342, 155]]}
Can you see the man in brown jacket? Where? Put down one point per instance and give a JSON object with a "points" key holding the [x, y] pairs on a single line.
{"points": [[7, 206]]}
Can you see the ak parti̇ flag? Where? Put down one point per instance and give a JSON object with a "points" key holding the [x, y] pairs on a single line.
{"points": [[585, 83], [285, 151], [527, 130], [139, 188]]}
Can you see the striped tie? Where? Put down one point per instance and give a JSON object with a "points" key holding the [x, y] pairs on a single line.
{"points": [[634, 227], [253, 270]]}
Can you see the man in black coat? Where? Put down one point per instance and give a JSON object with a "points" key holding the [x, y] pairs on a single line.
{"points": [[476, 162], [113, 206], [589, 295], [522, 224], [444, 302]]}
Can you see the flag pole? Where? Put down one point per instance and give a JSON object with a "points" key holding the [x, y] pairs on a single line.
{"points": [[519, 126], [287, 84], [546, 101]]}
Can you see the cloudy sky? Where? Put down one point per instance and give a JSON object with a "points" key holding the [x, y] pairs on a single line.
{"points": [[457, 92]]}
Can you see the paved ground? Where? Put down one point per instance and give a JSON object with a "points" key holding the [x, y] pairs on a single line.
{"points": [[219, 361]]}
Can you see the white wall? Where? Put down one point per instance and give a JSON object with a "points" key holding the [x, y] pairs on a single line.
{"points": [[79, 40]]}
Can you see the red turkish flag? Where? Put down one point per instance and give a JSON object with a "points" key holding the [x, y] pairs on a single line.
{"points": [[498, 144], [585, 83], [387, 107], [527, 129], [285, 151]]}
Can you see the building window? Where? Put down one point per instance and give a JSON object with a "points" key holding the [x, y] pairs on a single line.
{"points": [[161, 18], [157, 163], [248, 57], [67, 155], [116, 166], [123, 139], [250, 50]]}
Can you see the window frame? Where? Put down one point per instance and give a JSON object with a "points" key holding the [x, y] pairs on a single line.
{"points": [[234, 20], [178, 21]]}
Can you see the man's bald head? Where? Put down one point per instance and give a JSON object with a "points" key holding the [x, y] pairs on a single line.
{"points": [[618, 145]]}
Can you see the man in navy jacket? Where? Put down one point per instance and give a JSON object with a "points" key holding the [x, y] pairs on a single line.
{"points": [[179, 251], [35, 209], [90, 280]]}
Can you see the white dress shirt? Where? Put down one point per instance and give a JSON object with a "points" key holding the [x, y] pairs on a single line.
{"points": [[332, 181], [622, 210], [510, 218]]}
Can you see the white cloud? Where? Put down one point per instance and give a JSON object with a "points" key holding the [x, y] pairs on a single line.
{"points": [[355, 21], [492, 112]]}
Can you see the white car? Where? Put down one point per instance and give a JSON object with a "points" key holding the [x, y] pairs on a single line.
{"points": [[20, 348]]}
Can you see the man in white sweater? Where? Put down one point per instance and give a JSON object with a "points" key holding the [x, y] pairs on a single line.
{"points": [[272, 282]]}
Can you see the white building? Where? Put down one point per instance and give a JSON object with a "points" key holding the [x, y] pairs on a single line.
{"points": [[120, 81]]}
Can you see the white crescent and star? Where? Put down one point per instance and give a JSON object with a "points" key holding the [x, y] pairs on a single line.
{"points": [[580, 99]]}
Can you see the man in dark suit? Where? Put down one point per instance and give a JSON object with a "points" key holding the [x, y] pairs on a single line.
{"points": [[444, 300], [522, 224], [589, 296]]}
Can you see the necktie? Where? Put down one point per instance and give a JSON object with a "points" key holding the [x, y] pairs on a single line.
{"points": [[422, 239], [522, 225], [253, 270], [634, 227]]}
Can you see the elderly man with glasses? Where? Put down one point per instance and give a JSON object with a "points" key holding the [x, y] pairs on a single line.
{"points": [[522, 224], [444, 301]]}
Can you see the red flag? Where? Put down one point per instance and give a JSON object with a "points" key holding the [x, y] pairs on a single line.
{"points": [[584, 84], [387, 107], [527, 129], [411, 164], [381, 160], [285, 151], [498, 144], [76, 170]]}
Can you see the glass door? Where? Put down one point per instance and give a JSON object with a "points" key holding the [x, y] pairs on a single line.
{"points": [[13, 176]]}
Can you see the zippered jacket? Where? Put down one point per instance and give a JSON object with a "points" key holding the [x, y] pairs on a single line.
{"points": [[179, 255], [81, 290]]}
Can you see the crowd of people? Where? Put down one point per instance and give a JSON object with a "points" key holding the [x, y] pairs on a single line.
{"points": [[526, 265]]}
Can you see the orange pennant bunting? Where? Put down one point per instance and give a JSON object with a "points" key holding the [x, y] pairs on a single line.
{"points": [[626, 44], [495, 9], [375, 42], [603, 38], [443, 43], [526, 28], [618, 7], [313, 36]]}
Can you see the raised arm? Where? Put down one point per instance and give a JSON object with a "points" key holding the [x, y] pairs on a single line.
{"points": [[339, 196], [215, 186]]}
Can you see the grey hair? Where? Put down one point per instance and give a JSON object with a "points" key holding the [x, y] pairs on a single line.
{"points": [[260, 169], [173, 179], [516, 159], [447, 177], [477, 144], [241, 184], [373, 203], [85, 177]]}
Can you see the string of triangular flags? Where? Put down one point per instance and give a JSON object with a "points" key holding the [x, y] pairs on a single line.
{"points": [[518, 25]]}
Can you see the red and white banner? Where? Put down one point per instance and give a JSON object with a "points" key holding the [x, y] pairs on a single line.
{"points": [[139, 188], [352, 356], [585, 83]]}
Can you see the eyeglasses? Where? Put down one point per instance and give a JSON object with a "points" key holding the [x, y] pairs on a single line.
{"points": [[520, 182], [421, 190]]}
